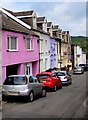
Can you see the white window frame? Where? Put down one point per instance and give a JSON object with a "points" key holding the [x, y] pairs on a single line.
{"points": [[9, 43], [31, 44], [27, 67]]}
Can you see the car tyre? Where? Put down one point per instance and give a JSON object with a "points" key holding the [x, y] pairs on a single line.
{"points": [[31, 96], [67, 82], [44, 92]]}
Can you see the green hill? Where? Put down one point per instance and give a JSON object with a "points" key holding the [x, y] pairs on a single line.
{"points": [[81, 41]]}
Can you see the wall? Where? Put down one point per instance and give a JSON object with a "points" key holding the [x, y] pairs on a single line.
{"points": [[21, 56]]}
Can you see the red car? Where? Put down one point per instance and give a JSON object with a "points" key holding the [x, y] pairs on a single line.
{"points": [[50, 80]]}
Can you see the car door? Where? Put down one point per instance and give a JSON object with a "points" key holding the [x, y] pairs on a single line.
{"points": [[38, 85], [32, 85], [55, 79]]}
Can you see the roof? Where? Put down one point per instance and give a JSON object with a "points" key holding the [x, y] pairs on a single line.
{"points": [[11, 25], [23, 13], [40, 19], [14, 18]]}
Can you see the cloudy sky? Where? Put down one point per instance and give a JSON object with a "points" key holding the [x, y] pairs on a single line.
{"points": [[70, 16]]}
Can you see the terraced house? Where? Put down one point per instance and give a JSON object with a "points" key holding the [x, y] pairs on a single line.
{"points": [[55, 52], [39, 26], [31, 44], [20, 49], [65, 48]]}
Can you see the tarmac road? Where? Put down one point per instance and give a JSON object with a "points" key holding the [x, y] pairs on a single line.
{"points": [[68, 102]]}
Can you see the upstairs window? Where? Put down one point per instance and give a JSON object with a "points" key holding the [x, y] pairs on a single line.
{"points": [[12, 43], [29, 44]]}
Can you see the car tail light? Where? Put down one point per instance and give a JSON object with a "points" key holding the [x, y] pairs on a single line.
{"points": [[65, 77]]}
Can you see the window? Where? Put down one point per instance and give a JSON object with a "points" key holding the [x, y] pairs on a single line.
{"points": [[31, 79], [11, 43], [29, 44]]}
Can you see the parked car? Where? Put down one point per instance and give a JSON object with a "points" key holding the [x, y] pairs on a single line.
{"points": [[78, 70], [84, 66], [49, 80], [23, 85], [65, 77]]}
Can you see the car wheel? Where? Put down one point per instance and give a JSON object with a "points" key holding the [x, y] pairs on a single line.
{"points": [[71, 81], [31, 96], [55, 88], [67, 82], [44, 92]]}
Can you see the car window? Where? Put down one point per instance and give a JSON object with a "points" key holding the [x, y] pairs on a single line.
{"points": [[61, 74], [43, 76], [31, 80], [17, 80], [35, 79], [54, 75]]}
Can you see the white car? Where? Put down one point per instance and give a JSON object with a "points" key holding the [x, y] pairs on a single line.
{"points": [[65, 77]]}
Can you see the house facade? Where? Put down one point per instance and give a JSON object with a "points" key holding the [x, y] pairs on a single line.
{"points": [[79, 56], [20, 53], [39, 26], [52, 53], [55, 33], [66, 49]]}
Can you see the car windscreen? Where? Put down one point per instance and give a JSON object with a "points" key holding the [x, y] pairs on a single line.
{"points": [[43, 76], [61, 74], [17, 80]]}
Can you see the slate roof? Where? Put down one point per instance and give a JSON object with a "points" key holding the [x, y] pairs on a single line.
{"points": [[11, 25], [24, 13]]}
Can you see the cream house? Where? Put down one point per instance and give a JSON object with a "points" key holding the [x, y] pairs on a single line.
{"points": [[65, 48]]}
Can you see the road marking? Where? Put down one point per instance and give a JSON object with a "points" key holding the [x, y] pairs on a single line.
{"points": [[85, 104]]}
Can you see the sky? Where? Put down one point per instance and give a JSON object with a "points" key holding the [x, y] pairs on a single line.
{"points": [[69, 15]]}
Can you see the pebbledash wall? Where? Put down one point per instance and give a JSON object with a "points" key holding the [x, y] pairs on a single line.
{"points": [[22, 60]]}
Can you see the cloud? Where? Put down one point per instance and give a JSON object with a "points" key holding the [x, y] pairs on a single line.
{"points": [[68, 15]]}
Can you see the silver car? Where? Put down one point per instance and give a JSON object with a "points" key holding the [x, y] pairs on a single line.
{"points": [[78, 70], [23, 85]]}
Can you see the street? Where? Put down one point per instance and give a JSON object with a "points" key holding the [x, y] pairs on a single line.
{"points": [[68, 102]]}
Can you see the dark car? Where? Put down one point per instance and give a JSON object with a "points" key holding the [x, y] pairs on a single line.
{"points": [[84, 66]]}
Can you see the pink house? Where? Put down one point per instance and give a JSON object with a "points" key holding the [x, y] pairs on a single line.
{"points": [[20, 49]]}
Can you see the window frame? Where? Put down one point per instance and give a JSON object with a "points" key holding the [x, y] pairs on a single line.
{"points": [[9, 39], [31, 44]]}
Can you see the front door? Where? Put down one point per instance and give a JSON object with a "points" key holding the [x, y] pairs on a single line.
{"points": [[29, 69]]}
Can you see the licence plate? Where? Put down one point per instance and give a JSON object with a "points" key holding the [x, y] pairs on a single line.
{"points": [[12, 93], [44, 81]]}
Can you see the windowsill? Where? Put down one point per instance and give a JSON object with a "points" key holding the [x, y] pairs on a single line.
{"points": [[11, 50], [28, 50]]}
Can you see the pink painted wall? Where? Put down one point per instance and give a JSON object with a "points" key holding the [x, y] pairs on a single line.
{"points": [[22, 55]]}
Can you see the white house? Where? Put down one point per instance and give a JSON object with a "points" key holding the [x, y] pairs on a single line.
{"points": [[79, 56]]}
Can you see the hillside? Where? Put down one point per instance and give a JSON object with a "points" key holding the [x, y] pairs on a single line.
{"points": [[81, 41]]}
